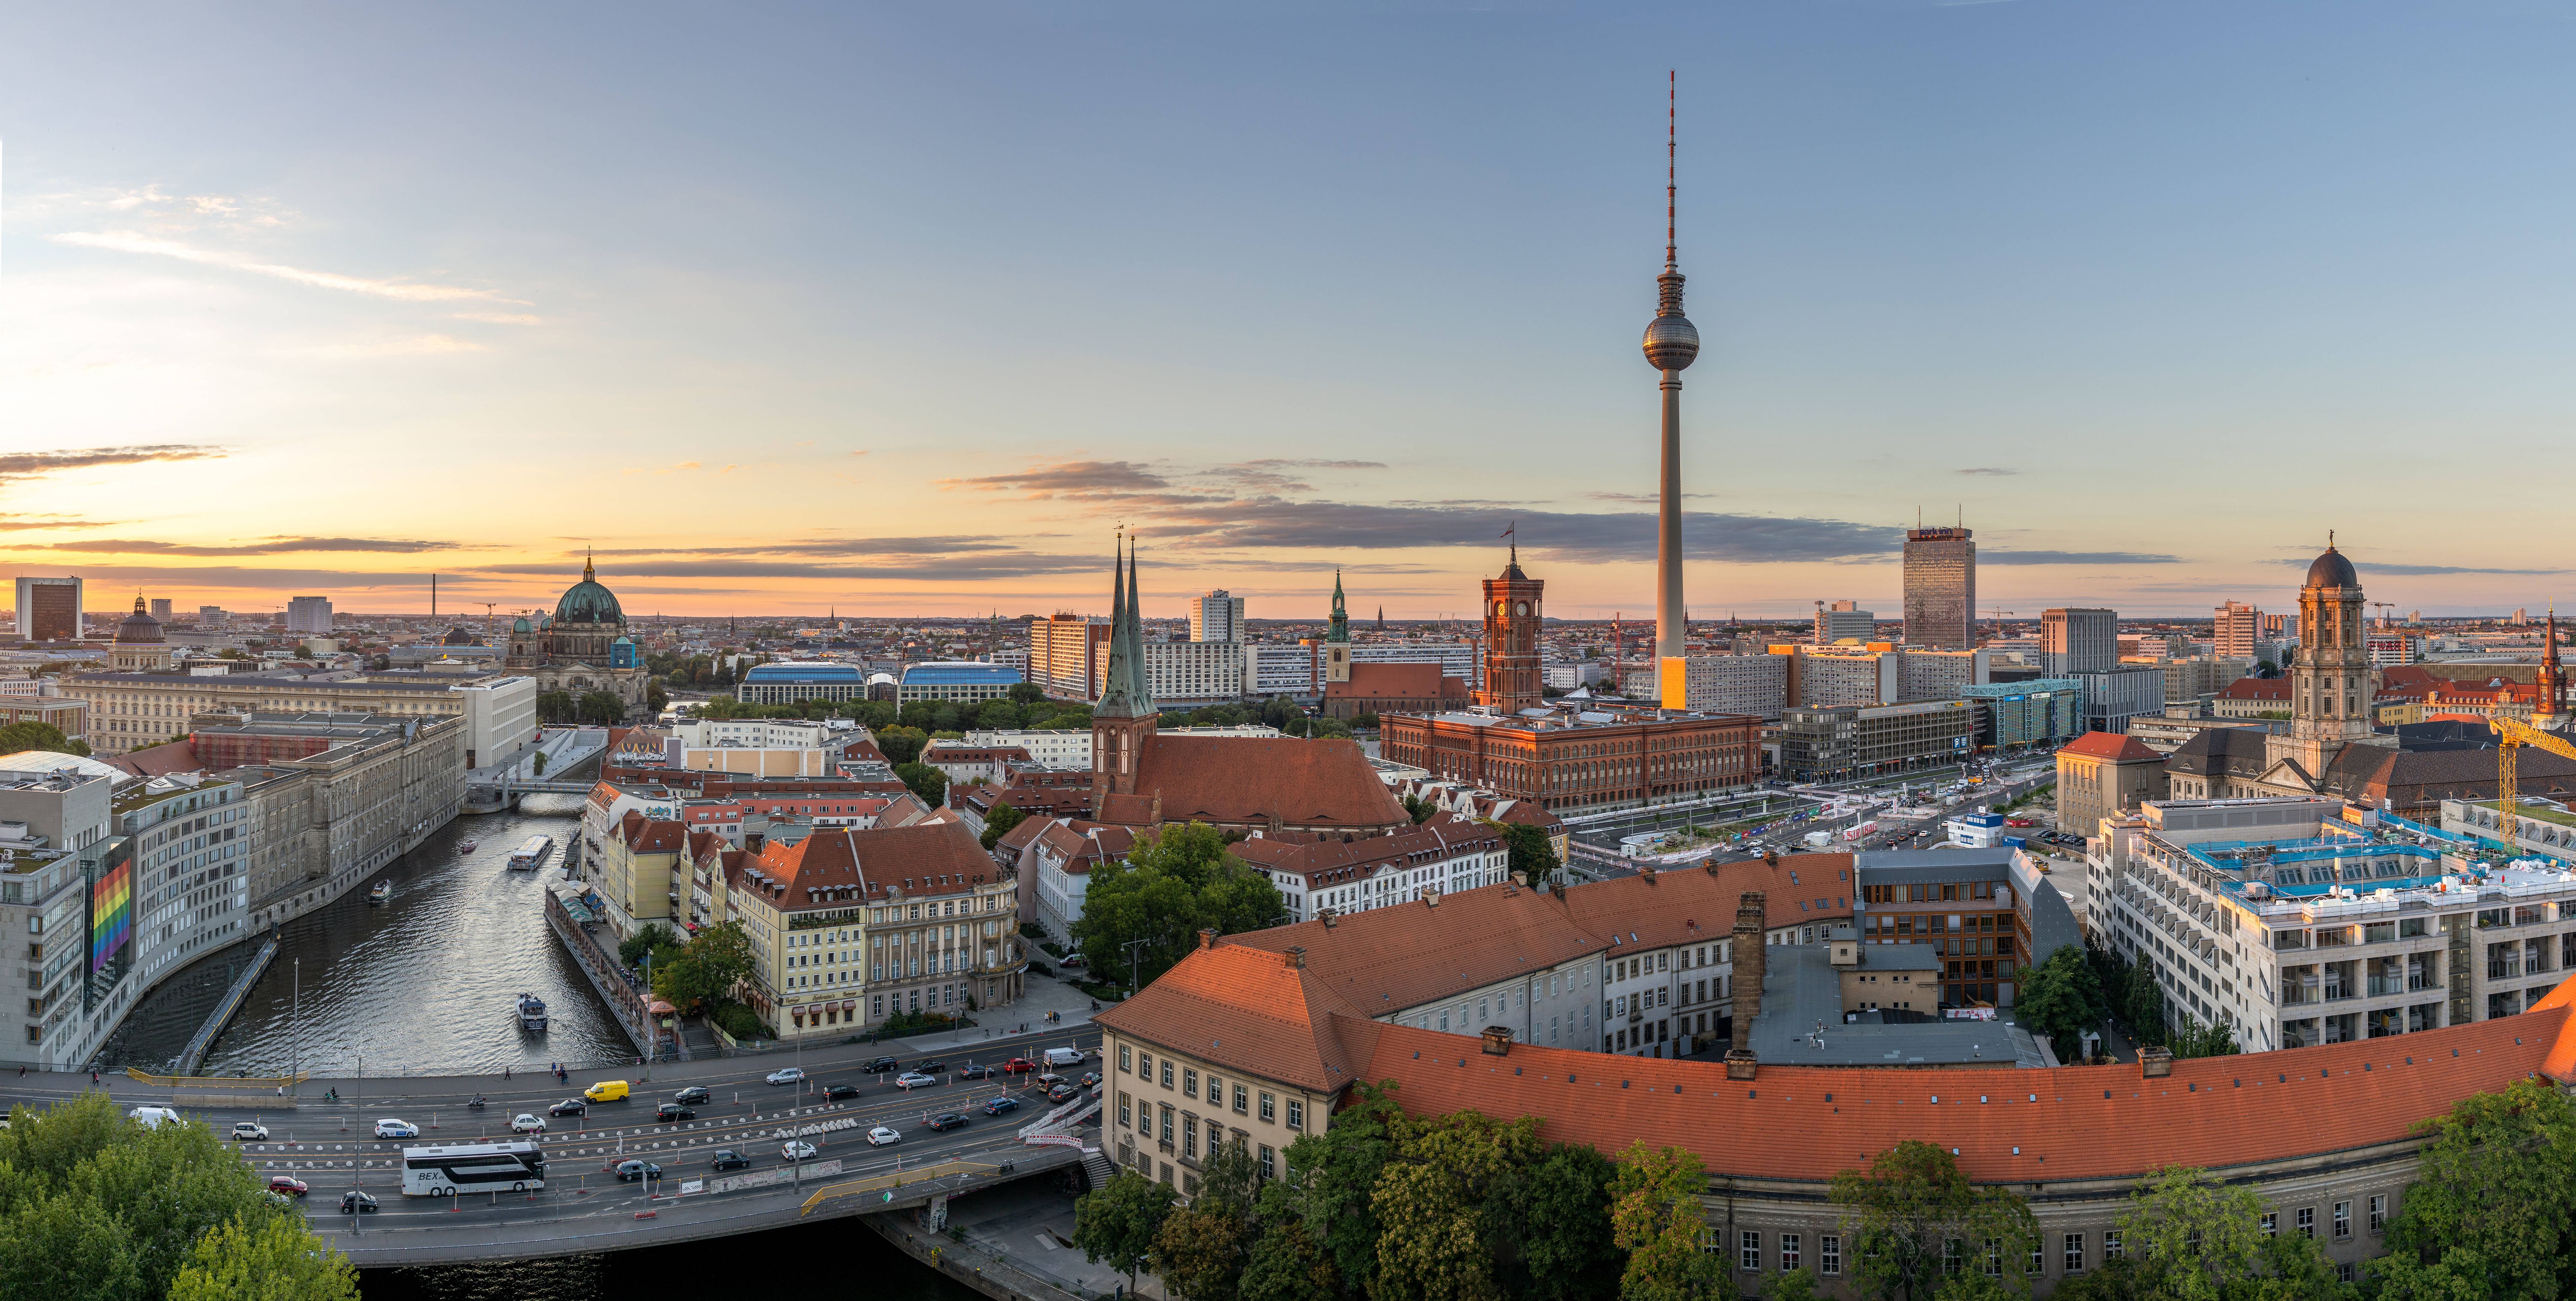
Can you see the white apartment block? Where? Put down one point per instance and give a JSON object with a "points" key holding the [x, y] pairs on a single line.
{"points": [[1845, 619], [2306, 921], [1217, 616], [1732, 684], [1940, 674], [1445, 856]]}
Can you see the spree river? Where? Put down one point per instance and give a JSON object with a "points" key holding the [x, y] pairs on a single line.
{"points": [[423, 984]]}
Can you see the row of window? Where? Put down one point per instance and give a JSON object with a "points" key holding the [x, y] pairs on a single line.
{"points": [[1957, 1256]]}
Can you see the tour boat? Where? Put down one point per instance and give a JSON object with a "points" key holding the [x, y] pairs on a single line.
{"points": [[531, 853], [532, 1013], [383, 890]]}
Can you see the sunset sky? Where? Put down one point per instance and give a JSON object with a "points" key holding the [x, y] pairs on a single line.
{"points": [[903, 309]]}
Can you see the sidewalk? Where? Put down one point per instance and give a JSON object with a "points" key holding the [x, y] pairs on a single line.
{"points": [[1031, 1226], [1045, 994]]}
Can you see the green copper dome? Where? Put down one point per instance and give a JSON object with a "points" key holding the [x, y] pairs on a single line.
{"points": [[588, 602]]}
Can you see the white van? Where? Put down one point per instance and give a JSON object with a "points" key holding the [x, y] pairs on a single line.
{"points": [[1064, 1057], [153, 1117]]}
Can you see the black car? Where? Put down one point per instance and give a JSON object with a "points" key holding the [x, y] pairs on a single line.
{"points": [[673, 1111], [630, 1171], [930, 1068], [570, 1107], [881, 1065], [947, 1122], [831, 1091], [695, 1093], [354, 1202], [971, 1071], [728, 1159], [1063, 1093]]}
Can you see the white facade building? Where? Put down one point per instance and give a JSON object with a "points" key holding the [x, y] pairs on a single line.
{"points": [[1217, 616], [500, 718]]}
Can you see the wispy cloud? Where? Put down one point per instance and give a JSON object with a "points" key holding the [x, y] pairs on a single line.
{"points": [[22, 465], [403, 290], [1643, 498], [1999, 557], [1985, 469], [32, 523], [2368, 568], [275, 546], [1073, 478], [418, 345]]}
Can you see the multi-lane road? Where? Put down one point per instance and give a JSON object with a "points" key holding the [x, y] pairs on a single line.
{"points": [[2004, 783], [332, 1147]]}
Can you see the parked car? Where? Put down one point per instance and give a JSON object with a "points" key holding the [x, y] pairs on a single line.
{"points": [[728, 1159], [881, 1065], [670, 1111], [250, 1132], [930, 1067], [787, 1075], [287, 1184], [570, 1107], [946, 1121], [971, 1071], [835, 1092], [630, 1171], [1017, 1065], [797, 1149], [397, 1129], [524, 1123], [1001, 1104], [693, 1095], [278, 1200], [1074, 961], [354, 1202], [915, 1080], [883, 1135]]}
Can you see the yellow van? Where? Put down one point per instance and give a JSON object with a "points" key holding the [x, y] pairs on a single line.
{"points": [[606, 1091]]}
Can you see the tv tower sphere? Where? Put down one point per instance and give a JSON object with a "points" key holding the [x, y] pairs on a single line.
{"points": [[1672, 342]]}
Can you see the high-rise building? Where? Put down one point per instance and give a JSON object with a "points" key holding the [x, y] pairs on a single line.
{"points": [[1844, 619], [1066, 654], [1217, 616], [1941, 588], [2078, 640], [2233, 630], [161, 608], [310, 615], [212, 616], [1671, 343], [1512, 614], [49, 609]]}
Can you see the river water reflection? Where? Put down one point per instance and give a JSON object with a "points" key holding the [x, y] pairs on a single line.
{"points": [[424, 984]]}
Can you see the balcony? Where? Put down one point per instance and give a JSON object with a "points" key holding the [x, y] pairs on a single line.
{"points": [[2379, 985]]}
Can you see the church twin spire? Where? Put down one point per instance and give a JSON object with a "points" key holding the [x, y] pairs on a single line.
{"points": [[1124, 694]]}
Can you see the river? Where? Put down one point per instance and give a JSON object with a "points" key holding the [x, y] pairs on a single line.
{"points": [[423, 984], [829, 1258]]}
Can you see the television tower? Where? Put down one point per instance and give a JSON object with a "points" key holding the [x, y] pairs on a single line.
{"points": [[1672, 343]]}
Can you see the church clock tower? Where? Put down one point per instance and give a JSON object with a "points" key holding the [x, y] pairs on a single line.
{"points": [[1512, 613]]}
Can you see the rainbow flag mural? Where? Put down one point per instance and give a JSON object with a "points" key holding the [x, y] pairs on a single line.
{"points": [[111, 915]]}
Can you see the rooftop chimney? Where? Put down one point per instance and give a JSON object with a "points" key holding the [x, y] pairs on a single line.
{"points": [[1750, 960], [1498, 1039], [1207, 937], [1327, 916], [1740, 1063], [1296, 956], [1646, 871], [2155, 1063], [1431, 898]]}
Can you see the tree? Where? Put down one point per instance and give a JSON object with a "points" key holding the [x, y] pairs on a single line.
{"points": [[1027, 693], [266, 1260], [1202, 1249], [1550, 1222], [600, 707], [705, 969], [2061, 998], [1336, 1173], [652, 937], [925, 781], [537, 763], [2197, 1239], [2146, 1010], [1175, 882], [2493, 1198], [1327, 727], [554, 707], [2216, 1039], [32, 735], [1900, 1215], [1796, 1285], [1655, 1216], [999, 822], [1288, 1263], [655, 698], [1430, 1204], [1116, 1224], [1533, 855], [901, 744]]}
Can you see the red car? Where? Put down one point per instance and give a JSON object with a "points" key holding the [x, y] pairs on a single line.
{"points": [[287, 1184], [2020, 822], [1018, 1065]]}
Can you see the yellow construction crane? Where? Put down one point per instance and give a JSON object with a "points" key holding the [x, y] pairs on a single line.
{"points": [[2511, 735]]}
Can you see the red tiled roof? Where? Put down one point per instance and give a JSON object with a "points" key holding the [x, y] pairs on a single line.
{"points": [[1244, 779], [1314, 858], [2075, 1122], [2256, 689], [2110, 745], [933, 858], [1409, 682], [159, 760], [645, 835], [1247, 1009]]}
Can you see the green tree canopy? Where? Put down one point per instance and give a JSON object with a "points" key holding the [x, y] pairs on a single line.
{"points": [[1116, 1224], [1533, 854], [901, 744], [1900, 1215], [1430, 1204], [925, 781], [999, 822], [19, 737], [706, 968], [1337, 1173], [268, 1259], [1655, 1216], [2494, 1196], [2198, 1239], [1171, 885], [2061, 998]]}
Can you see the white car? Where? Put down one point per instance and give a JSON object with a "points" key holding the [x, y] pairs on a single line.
{"points": [[915, 1080], [797, 1149], [882, 1135], [250, 1132], [397, 1129], [788, 1075], [527, 1123]]}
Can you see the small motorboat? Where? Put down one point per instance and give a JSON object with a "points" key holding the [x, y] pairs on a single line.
{"points": [[383, 890], [532, 1013], [464, 848]]}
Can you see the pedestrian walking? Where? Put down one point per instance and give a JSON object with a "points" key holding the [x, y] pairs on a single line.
{"points": [[505, 1073]]}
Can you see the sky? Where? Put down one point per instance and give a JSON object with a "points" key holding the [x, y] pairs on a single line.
{"points": [[901, 309]]}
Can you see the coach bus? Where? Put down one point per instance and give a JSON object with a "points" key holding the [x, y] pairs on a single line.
{"points": [[449, 1169]]}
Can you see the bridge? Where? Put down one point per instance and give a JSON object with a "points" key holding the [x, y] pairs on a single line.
{"points": [[584, 1207]]}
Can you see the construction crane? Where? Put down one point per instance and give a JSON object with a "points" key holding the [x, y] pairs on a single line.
{"points": [[2511, 735], [2000, 616], [2384, 608]]}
